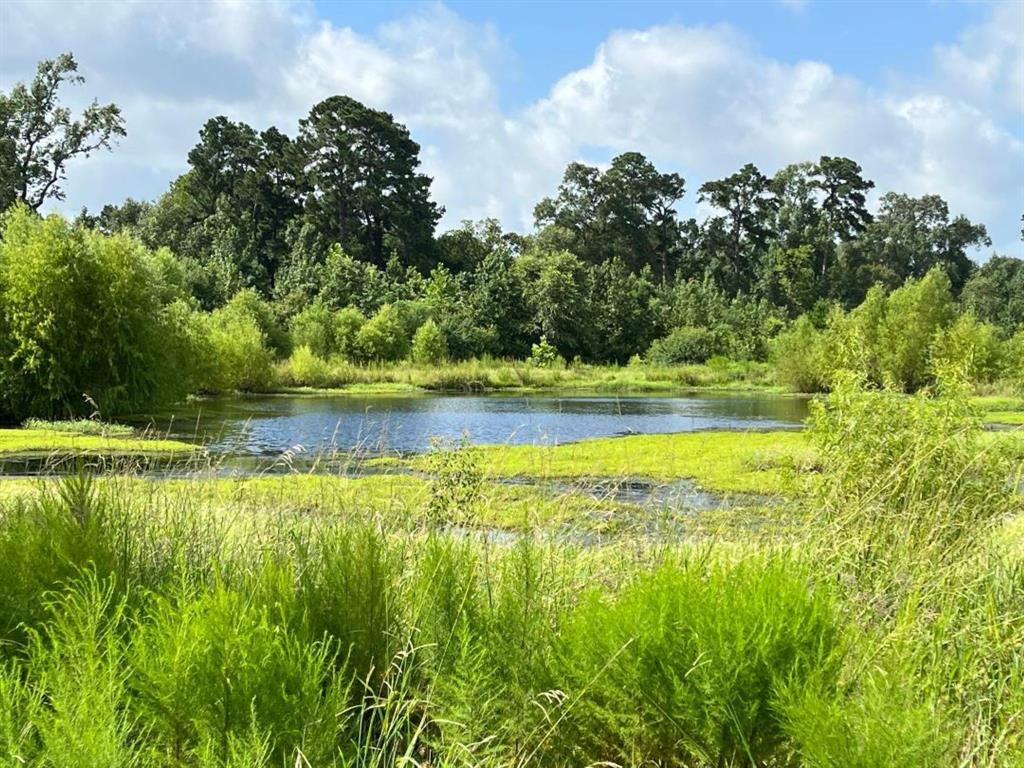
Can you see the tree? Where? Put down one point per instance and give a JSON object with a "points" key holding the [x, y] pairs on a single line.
{"points": [[737, 241], [995, 293], [916, 234], [621, 307], [555, 285], [627, 212], [234, 205], [364, 190], [38, 137], [844, 206]]}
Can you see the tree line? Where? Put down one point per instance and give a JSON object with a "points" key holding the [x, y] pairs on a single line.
{"points": [[326, 241]]}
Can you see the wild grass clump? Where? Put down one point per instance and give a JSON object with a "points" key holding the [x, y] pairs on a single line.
{"points": [[687, 665], [912, 495], [82, 427]]}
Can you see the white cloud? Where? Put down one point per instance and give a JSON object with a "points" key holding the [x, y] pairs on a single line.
{"points": [[797, 6], [986, 65], [700, 100]]}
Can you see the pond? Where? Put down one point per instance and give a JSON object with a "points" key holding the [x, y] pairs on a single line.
{"points": [[310, 425]]}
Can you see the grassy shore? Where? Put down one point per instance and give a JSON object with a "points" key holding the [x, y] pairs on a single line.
{"points": [[494, 375], [382, 621], [47, 441]]}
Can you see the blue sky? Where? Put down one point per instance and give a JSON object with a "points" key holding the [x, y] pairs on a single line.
{"points": [[871, 40], [927, 96]]}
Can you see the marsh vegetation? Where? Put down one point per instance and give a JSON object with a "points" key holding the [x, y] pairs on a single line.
{"points": [[851, 594]]}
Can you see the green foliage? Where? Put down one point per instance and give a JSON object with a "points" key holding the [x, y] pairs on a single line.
{"points": [[684, 345], [239, 353], [213, 665], [687, 666], [544, 355], [82, 427], [995, 293], [969, 349], [313, 328], [385, 336], [915, 313], [1013, 360], [307, 369], [83, 316], [38, 136], [428, 345], [907, 477], [347, 324], [795, 355], [456, 479], [883, 722]]}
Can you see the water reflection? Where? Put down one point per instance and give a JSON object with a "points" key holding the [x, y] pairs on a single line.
{"points": [[271, 426]]}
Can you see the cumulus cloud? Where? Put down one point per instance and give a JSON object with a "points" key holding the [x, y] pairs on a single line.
{"points": [[699, 100], [986, 64]]}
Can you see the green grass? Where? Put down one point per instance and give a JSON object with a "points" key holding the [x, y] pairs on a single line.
{"points": [[494, 375], [325, 621], [1004, 417], [724, 461], [52, 441], [81, 427]]}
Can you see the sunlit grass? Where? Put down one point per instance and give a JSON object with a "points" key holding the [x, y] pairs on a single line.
{"points": [[46, 441]]}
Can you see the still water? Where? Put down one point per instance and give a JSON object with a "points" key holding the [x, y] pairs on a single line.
{"points": [[271, 426]]}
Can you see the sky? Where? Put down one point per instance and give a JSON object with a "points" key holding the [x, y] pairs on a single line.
{"points": [[927, 96]]}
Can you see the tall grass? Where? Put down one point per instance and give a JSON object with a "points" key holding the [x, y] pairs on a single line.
{"points": [[148, 629], [304, 369]]}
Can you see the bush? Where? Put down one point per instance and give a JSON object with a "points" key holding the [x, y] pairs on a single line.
{"points": [[906, 480], [885, 722], [544, 355], [383, 337], [428, 345], [1013, 361], [969, 349], [241, 359], [213, 666], [307, 370], [795, 355], [313, 328], [248, 302], [347, 323], [915, 313], [687, 344], [83, 316]]}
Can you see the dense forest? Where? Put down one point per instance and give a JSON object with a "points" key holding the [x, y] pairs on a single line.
{"points": [[323, 245]]}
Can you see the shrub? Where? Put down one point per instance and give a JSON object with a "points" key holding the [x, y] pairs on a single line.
{"points": [[969, 349], [795, 355], [906, 480], [347, 323], [428, 345], [544, 355], [241, 359], [687, 344], [214, 665], [248, 302], [886, 721], [1013, 361], [915, 313], [313, 328], [307, 370], [383, 337], [83, 315]]}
